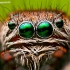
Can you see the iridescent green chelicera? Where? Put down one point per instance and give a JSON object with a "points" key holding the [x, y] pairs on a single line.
{"points": [[26, 30], [44, 29]]}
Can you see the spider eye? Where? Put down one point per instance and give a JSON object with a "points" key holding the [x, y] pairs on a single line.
{"points": [[26, 30], [11, 25], [44, 29], [59, 23]]}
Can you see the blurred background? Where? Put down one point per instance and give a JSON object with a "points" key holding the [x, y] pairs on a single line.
{"points": [[7, 6]]}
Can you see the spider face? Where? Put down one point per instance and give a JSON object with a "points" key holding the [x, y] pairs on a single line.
{"points": [[33, 38]]}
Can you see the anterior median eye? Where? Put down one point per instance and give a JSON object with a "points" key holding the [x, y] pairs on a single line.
{"points": [[44, 29], [26, 30], [11, 25], [59, 23]]}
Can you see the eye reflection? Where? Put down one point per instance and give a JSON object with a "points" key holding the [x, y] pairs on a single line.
{"points": [[11, 25], [44, 29], [59, 23], [26, 30]]}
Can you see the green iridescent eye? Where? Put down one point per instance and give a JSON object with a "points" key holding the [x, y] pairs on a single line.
{"points": [[59, 23], [11, 25], [44, 29], [26, 30]]}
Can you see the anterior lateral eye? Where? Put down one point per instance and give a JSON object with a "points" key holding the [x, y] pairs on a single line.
{"points": [[59, 23], [11, 25]]}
